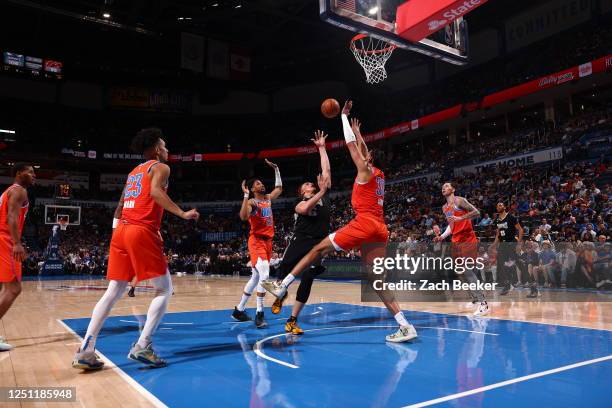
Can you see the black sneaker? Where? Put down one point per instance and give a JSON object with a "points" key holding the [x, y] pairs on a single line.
{"points": [[131, 291], [505, 290], [240, 315], [259, 320], [533, 292]]}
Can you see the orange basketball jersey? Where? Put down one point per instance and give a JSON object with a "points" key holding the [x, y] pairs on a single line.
{"points": [[138, 206], [261, 220], [368, 199], [459, 229], [4, 228]]}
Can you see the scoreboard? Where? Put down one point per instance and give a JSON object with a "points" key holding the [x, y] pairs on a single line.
{"points": [[33, 67]]}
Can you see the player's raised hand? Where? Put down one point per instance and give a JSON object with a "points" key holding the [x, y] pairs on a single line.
{"points": [[245, 189], [355, 125], [348, 105], [192, 214], [319, 138], [269, 163]]}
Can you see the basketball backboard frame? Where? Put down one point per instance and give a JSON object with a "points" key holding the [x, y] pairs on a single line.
{"points": [[55, 213], [336, 13]]}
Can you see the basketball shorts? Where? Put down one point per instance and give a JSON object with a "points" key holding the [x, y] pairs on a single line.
{"points": [[138, 251], [10, 269], [259, 247], [464, 246], [368, 234]]}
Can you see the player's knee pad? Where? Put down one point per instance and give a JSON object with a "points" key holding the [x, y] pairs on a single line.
{"points": [[253, 281], [263, 267]]}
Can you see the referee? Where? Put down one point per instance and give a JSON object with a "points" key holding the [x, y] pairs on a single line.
{"points": [[311, 226], [507, 229]]}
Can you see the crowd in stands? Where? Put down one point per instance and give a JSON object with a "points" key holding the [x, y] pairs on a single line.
{"points": [[562, 206]]}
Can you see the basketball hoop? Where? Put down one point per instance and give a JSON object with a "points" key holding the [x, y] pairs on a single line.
{"points": [[63, 224], [372, 54]]}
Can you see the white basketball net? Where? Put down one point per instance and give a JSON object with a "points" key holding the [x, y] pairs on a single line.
{"points": [[372, 54]]}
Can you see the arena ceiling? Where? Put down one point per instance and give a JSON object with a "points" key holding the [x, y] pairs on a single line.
{"points": [[286, 38]]}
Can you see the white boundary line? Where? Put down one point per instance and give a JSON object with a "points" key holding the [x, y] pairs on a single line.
{"points": [[258, 346], [141, 390], [507, 382], [169, 324]]}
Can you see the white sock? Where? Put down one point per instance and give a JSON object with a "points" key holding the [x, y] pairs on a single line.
{"points": [[401, 319], [157, 308], [288, 280], [243, 301], [260, 303], [113, 293]]}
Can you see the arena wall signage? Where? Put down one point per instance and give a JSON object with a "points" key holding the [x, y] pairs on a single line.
{"points": [[163, 100], [428, 178], [546, 20], [540, 156]]}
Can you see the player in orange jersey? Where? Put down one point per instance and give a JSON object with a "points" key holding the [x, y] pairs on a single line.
{"points": [[459, 213], [258, 211], [136, 249], [14, 206], [368, 227]]}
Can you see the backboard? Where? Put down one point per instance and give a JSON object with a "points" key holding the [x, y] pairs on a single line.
{"points": [[56, 213], [377, 18]]}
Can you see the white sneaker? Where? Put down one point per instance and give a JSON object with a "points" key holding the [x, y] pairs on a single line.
{"points": [[404, 333], [482, 310], [274, 287], [4, 346]]}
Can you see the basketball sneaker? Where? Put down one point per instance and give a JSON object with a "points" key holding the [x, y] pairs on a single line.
{"points": [[260, 323], [404, 333], [87, 360], [4, 346], [292, 327], [482, 310], [277, 306], [274, 287], [146, 356], [131, 291], [240, 315]]}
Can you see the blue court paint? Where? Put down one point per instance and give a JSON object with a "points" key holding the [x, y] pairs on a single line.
{"points": [[212, 362]]}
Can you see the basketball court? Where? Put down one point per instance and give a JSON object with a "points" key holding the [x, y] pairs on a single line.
{"points": [[551, 351]]}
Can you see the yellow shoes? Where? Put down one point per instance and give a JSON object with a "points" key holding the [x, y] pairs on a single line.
{"points": [[293, 328], [277, 306]]}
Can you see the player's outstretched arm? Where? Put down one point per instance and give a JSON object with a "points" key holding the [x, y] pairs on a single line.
{"points": [[278, 183], [319, 141], [246, 208], [159, 179], [16, 198], [363, 172], [361, 144]]}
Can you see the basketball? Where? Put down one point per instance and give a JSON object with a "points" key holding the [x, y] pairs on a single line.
{"points": [[330, 108]]}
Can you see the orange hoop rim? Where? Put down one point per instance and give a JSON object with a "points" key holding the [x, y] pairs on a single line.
{"points": [[361, 36]]}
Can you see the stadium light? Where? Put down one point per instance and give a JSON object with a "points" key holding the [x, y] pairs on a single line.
{"points": [[106, 14], [373, 10], [10, 132]]}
